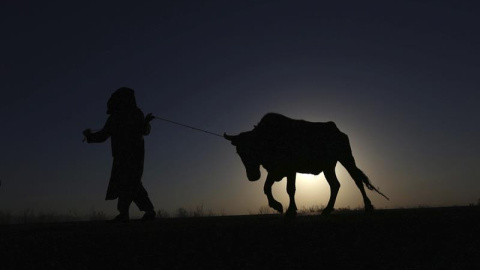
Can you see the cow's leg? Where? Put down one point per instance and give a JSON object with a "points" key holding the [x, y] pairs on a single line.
{"points": [[366, 200], [267, 188], [334, 187], [292, 207]]}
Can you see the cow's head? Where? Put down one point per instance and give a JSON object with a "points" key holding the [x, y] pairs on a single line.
{"points": [[247, 149]]}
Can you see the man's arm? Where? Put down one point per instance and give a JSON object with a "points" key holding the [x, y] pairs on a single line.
{"points": [[99, 136]]}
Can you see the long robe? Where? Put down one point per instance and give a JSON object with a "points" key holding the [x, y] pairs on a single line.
{"points": [[126, 130]]}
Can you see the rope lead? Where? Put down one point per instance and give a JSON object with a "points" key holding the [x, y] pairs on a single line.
{"points": [[183, 125]]}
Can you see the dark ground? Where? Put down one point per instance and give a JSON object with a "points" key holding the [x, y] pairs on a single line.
{"points": [[428, 238]]}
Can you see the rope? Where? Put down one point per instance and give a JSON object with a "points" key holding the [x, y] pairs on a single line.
{"points": [[187, 126]]}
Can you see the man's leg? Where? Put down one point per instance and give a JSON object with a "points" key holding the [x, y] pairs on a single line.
{"points": [[143, 202], [123, 206]]}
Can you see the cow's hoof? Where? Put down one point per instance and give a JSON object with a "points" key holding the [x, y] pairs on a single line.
{"points": [[290, 214], [277, 206], [327, 211]]}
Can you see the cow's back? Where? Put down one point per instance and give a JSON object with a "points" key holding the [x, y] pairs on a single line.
{"points": [[284, 128], [298, 137]]}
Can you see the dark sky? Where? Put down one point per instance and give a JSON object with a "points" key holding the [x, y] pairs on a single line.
{"points": [[401, 78]]}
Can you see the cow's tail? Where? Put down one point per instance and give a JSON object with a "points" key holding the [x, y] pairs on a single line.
{"points": [[347, 160]]}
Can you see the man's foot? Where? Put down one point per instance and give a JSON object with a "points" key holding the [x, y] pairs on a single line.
{"points": [[148, 216], [119, 218]]}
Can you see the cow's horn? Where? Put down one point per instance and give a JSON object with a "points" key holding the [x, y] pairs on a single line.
{"points": [[228, 137]]}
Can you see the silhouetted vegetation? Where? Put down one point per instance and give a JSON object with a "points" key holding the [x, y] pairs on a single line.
{"points": [[264, 210], [161, 213], [28, 216], [6, 217], [315, 209], [197, 211], [97, 215], [182, 212]]}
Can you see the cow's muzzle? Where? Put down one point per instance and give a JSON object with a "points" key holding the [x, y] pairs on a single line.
{"points": [[253, 175]]}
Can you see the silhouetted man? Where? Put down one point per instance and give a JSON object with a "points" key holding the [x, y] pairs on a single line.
{"points": [[126, 126]]}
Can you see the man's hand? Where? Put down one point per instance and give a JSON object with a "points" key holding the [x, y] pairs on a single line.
{"points": [[149, 117], [87, 132]]}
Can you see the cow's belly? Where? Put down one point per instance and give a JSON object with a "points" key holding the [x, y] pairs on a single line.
{"points": [[310, 170], [301, 165], [313, 166]]}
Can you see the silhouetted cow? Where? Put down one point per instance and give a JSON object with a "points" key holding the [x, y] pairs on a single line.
{"points": [[284, 147]]}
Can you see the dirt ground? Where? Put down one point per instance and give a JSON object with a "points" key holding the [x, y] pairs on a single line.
{"points": [[428, 238]]}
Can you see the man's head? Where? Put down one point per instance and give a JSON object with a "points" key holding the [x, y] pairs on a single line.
{"points": [[121, 100]]}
